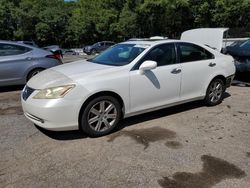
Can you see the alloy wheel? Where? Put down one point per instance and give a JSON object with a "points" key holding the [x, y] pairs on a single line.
{"points": [[215, 91], [102, 115]]}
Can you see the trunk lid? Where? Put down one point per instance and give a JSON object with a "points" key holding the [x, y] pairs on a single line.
{"points": [[212, 37]]}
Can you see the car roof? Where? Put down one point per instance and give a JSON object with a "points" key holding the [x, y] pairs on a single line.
{"points": [[16, 43], [150, 42], [23, 41], [105, 41]]}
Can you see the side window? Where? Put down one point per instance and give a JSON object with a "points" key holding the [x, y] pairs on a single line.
{"points": [[162, 54], [11, 49], [102, 43], [109, 44], [191, 52]]}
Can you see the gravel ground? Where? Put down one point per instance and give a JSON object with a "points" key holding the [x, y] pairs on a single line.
{"points": [[188, 146]]}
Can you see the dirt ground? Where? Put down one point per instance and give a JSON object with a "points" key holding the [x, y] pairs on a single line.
{"points": [[187, 146]]}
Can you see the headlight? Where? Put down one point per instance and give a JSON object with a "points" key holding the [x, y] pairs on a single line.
{"points": [[53, 92]]}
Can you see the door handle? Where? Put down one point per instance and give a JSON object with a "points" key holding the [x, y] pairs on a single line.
{"points": [[211, 64], [28, 58], [176, 71]]}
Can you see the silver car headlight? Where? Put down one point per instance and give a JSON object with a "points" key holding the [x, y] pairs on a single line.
{"points": [[54, 92]]}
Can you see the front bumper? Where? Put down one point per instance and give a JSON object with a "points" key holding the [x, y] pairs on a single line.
{"points": [[52, 114]]}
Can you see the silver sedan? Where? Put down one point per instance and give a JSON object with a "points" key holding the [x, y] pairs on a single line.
{"points": [[19, 62]]}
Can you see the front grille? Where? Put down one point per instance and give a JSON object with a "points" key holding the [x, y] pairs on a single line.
{"points": [[27, 92]]}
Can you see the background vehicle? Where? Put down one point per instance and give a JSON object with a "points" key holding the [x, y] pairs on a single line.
{"points": [[69, 52], [129, 78], [19, 62], [97, 47], [241, 52]]}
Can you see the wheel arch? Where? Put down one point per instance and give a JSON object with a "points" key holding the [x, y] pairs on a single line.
{"points": [[223, 78], [93, 49], [219, 76], [98, 94], [32, 69]]}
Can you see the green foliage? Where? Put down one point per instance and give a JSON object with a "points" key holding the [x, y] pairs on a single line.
{"points": [[81, 22]]}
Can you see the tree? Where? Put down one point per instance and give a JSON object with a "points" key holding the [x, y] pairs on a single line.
{"points": [[82, 22], [7, 19]]}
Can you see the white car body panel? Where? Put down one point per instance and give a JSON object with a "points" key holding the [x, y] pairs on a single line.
{"points": [[152, 88], [140, 93], [212, 37]]}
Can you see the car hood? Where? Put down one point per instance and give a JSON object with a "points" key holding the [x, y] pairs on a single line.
{"points": [[212, 37], [67, 74], [48, 78]]}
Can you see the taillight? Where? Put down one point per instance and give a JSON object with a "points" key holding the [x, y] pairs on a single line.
{"points": [[55, 56]]}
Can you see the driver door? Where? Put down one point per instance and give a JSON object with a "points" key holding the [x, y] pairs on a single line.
{"points": [[157, 87]]}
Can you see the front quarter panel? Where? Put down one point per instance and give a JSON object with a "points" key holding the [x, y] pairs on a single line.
{"points": [[112, 81]]}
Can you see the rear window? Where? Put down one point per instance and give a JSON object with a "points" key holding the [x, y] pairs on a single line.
{"points": [[191, 52], [11, 49]]}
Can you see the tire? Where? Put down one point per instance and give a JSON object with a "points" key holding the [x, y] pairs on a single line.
{"points": [[33, 73], [215, 90], [93, 52], [100, 116]]}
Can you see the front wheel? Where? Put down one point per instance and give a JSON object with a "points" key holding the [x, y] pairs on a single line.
{"points": [[100, 116], [215, 92], [93, 52]]}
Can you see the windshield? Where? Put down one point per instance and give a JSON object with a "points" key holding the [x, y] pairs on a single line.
{"points": [[118, 55], [246, 44], [238, 43]]}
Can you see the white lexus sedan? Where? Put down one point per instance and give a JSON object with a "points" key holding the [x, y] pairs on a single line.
{"points": [[129, 78]]}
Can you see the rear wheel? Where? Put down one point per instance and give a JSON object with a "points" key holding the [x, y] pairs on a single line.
{"points": [[33, 73], [100, 116], [215, 92]]}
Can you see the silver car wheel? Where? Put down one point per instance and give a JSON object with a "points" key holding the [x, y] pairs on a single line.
{"points": [[102, 116], [215, 92]]}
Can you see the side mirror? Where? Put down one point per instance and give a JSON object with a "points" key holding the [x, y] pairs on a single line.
{"points": [[147, 65]]}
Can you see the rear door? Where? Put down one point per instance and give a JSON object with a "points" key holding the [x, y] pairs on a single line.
{"points": [[13, 63], [197, 65]]}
